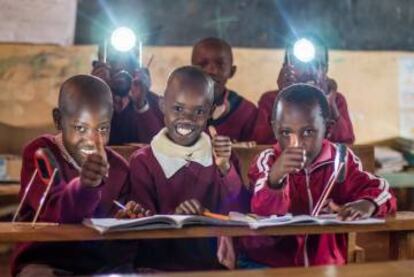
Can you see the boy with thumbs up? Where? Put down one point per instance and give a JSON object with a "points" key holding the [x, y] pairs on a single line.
{"points": [[183, 171], [91, 177]]}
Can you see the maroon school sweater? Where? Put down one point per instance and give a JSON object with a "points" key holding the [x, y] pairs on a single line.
{"points": [[130, 126], [70, 202], [341, 132], [238, 123], [154, 191]]}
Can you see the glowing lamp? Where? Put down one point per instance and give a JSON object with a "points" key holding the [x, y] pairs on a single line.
{"points": [[304, 50]]}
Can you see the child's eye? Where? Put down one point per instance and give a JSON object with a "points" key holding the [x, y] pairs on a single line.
{"points": [[200, 112], [177, 108], [103, 129], [220, 64], [308, 133], [80, 129], [285, 133]]}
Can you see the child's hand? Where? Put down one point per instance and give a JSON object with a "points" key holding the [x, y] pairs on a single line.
{"points": [[359, 209], [94, 169], [133, 210], [101, 70], [190, 207], [140, 86], [292, 159], [221, 150]]}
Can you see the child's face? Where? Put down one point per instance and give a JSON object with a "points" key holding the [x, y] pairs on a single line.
{"points": [[304, 122], [216, 61], [121, 71], [186, 111], [84, 130]]}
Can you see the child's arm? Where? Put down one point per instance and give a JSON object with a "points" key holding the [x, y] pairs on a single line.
{"points": [[228, 176], [361, 185], [147, 119], [67, 202], [267, 200], [341, 130]]}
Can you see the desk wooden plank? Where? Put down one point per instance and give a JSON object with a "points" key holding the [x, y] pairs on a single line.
{"points": [[387, 269], [404, 221], [9, 190]]}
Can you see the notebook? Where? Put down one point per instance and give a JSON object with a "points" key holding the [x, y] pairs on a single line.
{"points": [[106, 225]]}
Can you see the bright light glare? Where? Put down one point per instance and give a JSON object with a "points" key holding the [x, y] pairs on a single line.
{"points": [[304, 50], [123, 39]]}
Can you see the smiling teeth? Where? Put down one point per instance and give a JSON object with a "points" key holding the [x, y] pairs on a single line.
{"points": [[88, 152], [183, 131]]}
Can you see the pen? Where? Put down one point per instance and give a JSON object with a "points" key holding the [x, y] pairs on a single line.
{"points": [[119, 205]]}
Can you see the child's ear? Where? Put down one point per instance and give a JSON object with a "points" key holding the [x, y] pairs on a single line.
{"points": [[233, 71], [57, 118], [161, 104]]}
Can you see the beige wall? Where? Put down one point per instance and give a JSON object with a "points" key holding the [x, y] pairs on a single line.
{"points": [[30, 77]]}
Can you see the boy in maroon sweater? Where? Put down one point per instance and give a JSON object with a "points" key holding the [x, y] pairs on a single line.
{"points": [[137, 117], [340, 126], [290, 178], [183, 171], [233, 116], [90, 178]]}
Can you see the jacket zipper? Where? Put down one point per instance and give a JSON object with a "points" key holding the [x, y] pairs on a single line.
{"points": [[310, 201]]}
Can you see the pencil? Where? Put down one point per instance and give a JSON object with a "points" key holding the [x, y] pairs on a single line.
{"points": [[215, 216], [119, 205]]}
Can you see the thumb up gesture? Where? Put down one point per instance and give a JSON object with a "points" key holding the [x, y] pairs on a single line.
{"points": [[221, 150]]}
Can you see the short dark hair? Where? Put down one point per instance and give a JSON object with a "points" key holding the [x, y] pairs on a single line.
{"points": [[85, 89], [216, 42], [301, 95], [194, 75]]}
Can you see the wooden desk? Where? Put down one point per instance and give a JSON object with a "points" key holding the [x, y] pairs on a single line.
{"points": [[9, 189], [401, 228], [387, 269]]}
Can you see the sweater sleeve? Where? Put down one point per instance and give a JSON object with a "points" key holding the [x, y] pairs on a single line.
{"points": [[267, 201], [233, 194], [67, 202], [364, 185]]}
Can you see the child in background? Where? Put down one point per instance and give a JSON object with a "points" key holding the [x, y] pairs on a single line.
{"points": [[137, 117], [233, 116], [290, 178], [183, 171], [90, 178], [293, 71]]}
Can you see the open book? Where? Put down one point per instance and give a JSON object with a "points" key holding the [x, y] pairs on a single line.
{"points": [[257, 222], [105, 225]]}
